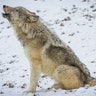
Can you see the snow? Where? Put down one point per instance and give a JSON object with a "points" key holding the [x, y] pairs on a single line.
{"points": [[72, 20]]}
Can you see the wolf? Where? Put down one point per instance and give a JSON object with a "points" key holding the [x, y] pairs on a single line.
{"points": [[47, 54]]}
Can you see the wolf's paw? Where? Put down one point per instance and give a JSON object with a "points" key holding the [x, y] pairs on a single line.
{"points": [[58, 86], [30, 91]]}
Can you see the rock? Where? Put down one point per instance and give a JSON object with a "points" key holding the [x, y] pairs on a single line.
{"points": [[1, 92]]}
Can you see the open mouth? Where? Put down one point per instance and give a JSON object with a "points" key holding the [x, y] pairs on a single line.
{"points": [[5, 15]]}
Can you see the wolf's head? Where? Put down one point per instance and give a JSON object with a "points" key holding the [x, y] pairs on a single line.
{"points": [[19, 14]]}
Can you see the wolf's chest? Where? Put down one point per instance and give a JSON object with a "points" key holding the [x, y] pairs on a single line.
{"points": [[32, 52]]}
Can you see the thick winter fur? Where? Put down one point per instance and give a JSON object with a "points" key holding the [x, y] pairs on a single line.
{"points": [[46, 52]]}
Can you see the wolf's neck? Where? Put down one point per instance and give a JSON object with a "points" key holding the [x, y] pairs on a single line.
{"points": [[36, 30], [31, 33]]}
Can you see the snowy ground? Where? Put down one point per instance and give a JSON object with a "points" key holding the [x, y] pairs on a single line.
{"points": [[75, 23]]}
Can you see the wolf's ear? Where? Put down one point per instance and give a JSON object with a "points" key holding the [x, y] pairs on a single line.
{"points": [[32, 18]]}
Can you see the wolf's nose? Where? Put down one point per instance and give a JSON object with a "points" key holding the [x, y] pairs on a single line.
{"points": [[4, 6]]}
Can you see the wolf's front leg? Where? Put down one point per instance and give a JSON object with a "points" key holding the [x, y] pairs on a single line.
{"points": [[35, 69]]}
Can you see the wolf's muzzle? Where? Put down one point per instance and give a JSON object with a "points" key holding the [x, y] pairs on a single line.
{"points": [[4, 6], [5, 15]]}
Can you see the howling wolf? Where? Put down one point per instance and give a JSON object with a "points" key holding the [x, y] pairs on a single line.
{"points": [[46, 52]]}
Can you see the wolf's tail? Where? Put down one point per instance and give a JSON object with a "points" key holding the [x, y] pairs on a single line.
{"points": [[91, 81]]}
